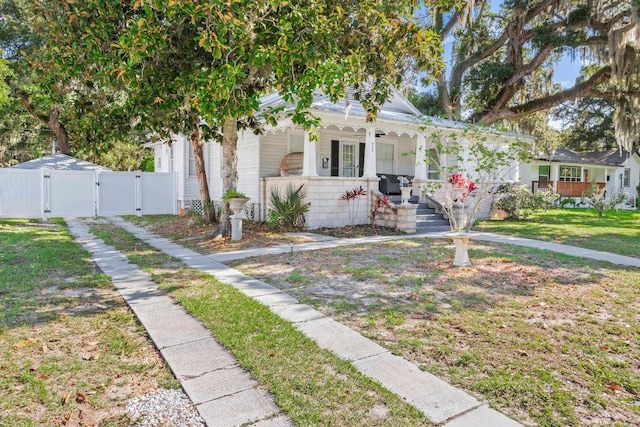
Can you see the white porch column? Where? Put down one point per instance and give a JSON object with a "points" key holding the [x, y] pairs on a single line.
{"points": [[309, 165], [370, 154], [421, 164]]}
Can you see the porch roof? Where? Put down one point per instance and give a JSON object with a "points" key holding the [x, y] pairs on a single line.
{"points": [[396, 109]]}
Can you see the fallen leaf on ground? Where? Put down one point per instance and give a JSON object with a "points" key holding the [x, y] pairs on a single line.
{"points": [[615, 387], [65, 399], [23, 344]]}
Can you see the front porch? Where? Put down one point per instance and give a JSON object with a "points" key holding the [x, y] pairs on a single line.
{"points": [[565, 188]]}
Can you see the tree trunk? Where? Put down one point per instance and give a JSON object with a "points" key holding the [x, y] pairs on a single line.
{"points": [[229, 168], [53, 121], [59, 130], [208, 210]]}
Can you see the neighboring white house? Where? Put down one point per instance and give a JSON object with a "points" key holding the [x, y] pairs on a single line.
{"points": [[348, 153], [570, 173]]}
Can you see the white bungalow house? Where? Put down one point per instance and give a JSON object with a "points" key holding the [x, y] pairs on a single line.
{"points": [[570, 173], [348, 153]]}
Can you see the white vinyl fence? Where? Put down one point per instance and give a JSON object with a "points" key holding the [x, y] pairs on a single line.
{"points": [[45, 193]]}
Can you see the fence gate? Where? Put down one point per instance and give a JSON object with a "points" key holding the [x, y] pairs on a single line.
{"points": [[45, 193], [117, 193], [69, 193]]}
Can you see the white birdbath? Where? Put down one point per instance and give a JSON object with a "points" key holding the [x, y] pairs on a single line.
{"points": [[461, 242]]}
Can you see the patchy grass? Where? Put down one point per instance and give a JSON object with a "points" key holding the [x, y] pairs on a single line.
{"points": [[616, 232], [549, 339], [192, 232], [313, 386], [71, 353]]}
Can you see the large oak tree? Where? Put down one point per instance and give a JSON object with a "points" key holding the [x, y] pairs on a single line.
{"points": [[200, 66], [498, 58]]}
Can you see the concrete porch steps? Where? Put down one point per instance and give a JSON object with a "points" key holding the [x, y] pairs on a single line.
{"points": [[428, 221]]}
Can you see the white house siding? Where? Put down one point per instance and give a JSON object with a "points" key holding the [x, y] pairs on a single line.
{"points": [[191, 186], [273, 147], [249, 164], [214, 175], [633, 163]]}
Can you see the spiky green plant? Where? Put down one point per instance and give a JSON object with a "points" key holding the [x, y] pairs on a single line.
{"points": [[287, 210]]}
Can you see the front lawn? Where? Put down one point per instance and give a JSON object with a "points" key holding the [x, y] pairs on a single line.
{"points": [[71, 351], [549, 339], [616, 232]]}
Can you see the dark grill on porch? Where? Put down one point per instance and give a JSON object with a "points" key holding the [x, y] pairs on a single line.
{"points": [[564, 188]]}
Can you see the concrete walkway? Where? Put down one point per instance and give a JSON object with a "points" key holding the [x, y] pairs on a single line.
{"points": [[489, 237], [225, 394]]}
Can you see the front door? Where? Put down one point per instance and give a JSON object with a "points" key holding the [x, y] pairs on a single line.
{"points": [[349, 159]]}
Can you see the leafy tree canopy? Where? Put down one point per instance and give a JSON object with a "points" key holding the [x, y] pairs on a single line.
{"points": [[169, 65], [503, 61]]}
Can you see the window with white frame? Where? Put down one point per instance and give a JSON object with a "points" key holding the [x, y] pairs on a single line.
{"points": [[544, 173], [296, 143], [570, 173], [384, 157], [626, 180], [433, 165]]}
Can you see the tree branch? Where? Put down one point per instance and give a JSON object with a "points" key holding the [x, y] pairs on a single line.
{"points": [[580, 90], [24, 98]]}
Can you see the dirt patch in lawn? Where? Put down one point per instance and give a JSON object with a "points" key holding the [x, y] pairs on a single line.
{"points": [[71, 354], [548, 339], [192, 232]]}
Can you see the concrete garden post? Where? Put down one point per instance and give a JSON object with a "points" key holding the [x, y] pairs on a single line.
{"points": [[236, 205]]}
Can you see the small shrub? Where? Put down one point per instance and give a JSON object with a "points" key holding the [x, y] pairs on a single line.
{"points": [[596, 197], [519, 203], [351, 197], [568, 202], [287, 210], [379, 203]]}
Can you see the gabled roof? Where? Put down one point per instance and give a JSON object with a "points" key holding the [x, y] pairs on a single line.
{"points": [[396, 109], [59, 162], [613, 158]]}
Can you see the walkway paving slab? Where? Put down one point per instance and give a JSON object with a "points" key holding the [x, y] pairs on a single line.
{"points": [[483, 417], [336, 337], [172, 327], [297, 313], [276, 299], [197, 358], [239, 409], [219, 383], [439, 400]]}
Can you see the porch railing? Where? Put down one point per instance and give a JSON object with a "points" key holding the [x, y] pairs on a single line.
{"points": [[564, 188]]}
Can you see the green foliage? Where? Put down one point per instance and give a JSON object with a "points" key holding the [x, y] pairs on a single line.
{"points": [[518, 201], [428, 102], [233, 194], [588, 123], [287, 210], [596, 197]]}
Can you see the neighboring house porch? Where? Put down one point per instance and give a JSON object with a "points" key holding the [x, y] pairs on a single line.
{"points": [[571, 173]]}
